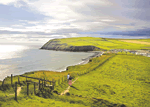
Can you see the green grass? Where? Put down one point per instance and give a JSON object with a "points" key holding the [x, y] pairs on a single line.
{"points": [[102, 43], [34, 101], [105, 81], [6, 97], [123, 79], [144, 40], [49, 75]]}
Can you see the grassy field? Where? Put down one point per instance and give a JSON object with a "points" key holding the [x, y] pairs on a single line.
{"points": [[106, 43], [109, 80], [34, 101], [123, 79]]}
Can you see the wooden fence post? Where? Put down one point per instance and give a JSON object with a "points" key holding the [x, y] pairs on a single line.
{"points": [[18, 80], [44, 82], [28, 88], [46, 93], [3, 82], [49, 91], [11, 79], [53, 83], [39, 84], [16, 91], [34, 89]]}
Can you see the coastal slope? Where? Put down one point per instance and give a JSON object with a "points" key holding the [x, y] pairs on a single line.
{"points": [[58, 46], [79, 44]]}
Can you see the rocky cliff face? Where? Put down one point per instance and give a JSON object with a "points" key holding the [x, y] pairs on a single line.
{"points": [[56, 45]]}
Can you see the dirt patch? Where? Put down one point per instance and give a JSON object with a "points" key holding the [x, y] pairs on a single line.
{"points": [[18, 91], [67, 90], [135, 41]]}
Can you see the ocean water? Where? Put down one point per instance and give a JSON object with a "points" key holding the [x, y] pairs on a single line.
{"points": [[18, 59]]}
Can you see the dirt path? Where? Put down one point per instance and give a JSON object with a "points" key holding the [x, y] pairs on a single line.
{"points": [[18, 91], [67, 90]]}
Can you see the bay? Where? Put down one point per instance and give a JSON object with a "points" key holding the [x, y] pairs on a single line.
{"points": [[19, 59]]}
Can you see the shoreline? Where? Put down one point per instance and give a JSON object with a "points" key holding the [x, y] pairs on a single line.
{"points": [[84, 61], [96, 54]]}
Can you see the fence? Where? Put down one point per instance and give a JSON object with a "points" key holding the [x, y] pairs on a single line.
{"points": [[43, 84]]}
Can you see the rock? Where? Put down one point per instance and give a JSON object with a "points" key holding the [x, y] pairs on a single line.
{"points": [[72, 101], [68, 94], [55, 92], [56, 45], [80, 95], [90, 60], [67, 69], [123, 105]]}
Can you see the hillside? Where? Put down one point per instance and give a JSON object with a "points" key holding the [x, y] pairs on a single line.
{"points": [[111, 80], [118, 81], [95, 44]]}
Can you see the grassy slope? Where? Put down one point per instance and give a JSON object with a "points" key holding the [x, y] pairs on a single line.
{"points": [[6, 99], [123, 79], [118, 80], [49, 75], [104, 43], [35, 101]]}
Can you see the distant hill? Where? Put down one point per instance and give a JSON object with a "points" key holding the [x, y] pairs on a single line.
{"points": [[95, 44]]}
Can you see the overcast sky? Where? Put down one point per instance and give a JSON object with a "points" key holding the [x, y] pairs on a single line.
{"points": [[37, 21]]}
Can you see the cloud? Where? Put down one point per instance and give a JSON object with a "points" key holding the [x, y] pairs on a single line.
{"points": [[138, 4], [6, 2], [11, 13], [72, 18], [140, 32], [25, 38]]}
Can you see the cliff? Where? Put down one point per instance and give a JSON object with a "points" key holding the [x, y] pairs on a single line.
{"points": [[55, 44]]}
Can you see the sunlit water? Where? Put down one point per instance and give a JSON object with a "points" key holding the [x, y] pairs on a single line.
{"points": [[18, 59]]}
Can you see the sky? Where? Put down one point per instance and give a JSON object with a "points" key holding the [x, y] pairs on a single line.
{"points": [[37, 21]]}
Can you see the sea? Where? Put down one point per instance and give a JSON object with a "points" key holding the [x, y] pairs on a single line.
{"points": [[19, 59]]}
